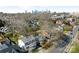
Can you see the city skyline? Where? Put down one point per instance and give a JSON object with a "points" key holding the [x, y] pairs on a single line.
{"points": [[21, 9]]}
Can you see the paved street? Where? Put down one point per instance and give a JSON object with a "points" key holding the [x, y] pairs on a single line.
{"points": [[65, 49], [70, 44]]}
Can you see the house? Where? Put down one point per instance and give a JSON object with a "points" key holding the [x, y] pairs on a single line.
{"points": [[5, 49], [71, 21], [38, 38], [8, 46], [3, 46], [73, 32], [43, 32], [34, 24], [27, 43], [3, 29], [55, 17], [59, 27], [59, 22], [75, 29]]}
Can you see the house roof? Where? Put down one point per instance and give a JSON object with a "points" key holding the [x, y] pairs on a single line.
{"points": [[3, 29], [3, 46], [10, 50], [7, 47], [27, 39]]}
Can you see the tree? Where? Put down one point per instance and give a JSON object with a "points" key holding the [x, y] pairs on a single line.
{"points": [[13, 36], [2, 23], [32, 26]]}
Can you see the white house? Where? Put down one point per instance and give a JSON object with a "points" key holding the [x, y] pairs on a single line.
{"points": [[27, 43]]}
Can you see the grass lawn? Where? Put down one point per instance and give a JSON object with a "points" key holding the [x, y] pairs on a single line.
{"points": [[75, 48], [65, 31]]}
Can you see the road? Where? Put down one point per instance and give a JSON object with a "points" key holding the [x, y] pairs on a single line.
{"points": [[73, 39], [65, 49]]}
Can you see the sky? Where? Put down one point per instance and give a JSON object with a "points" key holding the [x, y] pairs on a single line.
{"points": [[16, 9], [15, 6]]}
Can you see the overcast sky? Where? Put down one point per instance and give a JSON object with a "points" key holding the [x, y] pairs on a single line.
{"points": [[14, 6], [15, 9]]}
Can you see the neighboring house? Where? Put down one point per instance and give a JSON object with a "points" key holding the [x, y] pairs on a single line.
{"points": [[75, 29], [3, 29], [54, 17], [43, 33], [34, 24], [59, 22], [29, 43], [73, 32], [9, 47], [38, 38], [59, 27], [3, 46], [71, 21]]}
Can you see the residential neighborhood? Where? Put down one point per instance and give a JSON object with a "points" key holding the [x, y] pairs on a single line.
{"points": [[38, 32]]}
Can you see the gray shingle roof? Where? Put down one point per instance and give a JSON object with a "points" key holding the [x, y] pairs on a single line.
{"points": [[3, 46]]}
